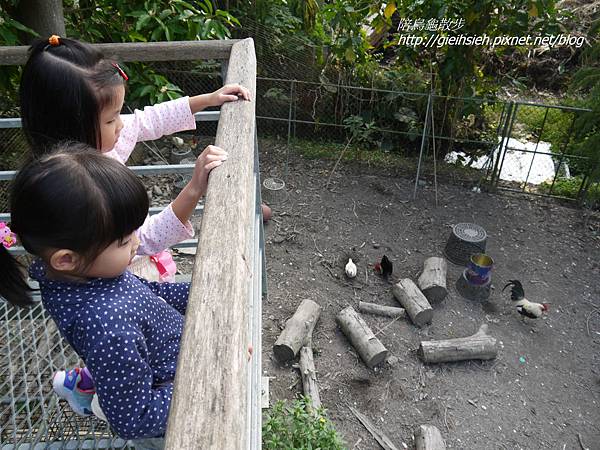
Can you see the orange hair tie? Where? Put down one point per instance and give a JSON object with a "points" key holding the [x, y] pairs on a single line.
{"points": [[54, 40]]}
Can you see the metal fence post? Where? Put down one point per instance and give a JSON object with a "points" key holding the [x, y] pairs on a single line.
{"points": [[287, 150], [425, 131]]}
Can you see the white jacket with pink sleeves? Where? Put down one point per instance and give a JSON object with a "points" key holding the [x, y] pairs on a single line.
{"points": [[162, 230]]}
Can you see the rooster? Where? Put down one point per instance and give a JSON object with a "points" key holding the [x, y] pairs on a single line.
{"points": [[525, 307], [385, 267]]}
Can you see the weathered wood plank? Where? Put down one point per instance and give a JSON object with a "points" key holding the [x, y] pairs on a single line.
{"points": [[140, 51], [210, 404]]}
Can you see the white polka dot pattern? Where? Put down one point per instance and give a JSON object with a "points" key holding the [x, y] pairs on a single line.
{"points": [[128, 332]]}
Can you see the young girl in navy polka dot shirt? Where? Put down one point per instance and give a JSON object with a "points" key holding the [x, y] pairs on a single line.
{"points": [[77, 211]]}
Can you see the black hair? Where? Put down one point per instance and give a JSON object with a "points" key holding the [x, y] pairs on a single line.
{"points": [[73, 198], [63, 90]]}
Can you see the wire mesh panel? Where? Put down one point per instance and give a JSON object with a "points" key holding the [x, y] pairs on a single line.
{"points": [[31, 414], [538, 153]]}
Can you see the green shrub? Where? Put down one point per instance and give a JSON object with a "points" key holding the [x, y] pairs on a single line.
{"points": [[569, 187], [292, 426], [556, 128]]}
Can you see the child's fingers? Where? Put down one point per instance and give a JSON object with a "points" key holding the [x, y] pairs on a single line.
{"points": [[210, 158], [210, 166], [238, 90], [212, 150]]}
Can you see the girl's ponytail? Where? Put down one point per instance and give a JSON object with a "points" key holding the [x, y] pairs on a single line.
{"points": [[13, 285]]}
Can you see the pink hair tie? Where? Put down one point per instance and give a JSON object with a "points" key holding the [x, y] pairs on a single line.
{"points": [[121, 71], [7, 237]]}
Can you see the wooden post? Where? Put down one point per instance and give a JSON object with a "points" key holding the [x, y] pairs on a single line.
{"points": [[428, 437], [413, 300], [380, 310], [432, 281], [478, 346], [309, 377], [210, 405], [370, 349], [298, 331]]}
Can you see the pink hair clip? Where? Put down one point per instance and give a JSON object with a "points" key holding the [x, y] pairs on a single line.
{"points": [[121, 71], [7, 237]]}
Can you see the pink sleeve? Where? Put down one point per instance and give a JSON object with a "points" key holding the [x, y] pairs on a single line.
{"points": [[152, 123], [161, 231]]}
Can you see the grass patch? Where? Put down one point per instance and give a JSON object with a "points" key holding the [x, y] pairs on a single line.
{"points": [[390, 162], [290, 426]]}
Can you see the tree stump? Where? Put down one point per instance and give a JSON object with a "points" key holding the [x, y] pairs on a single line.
{"points": [[413, 301], [432, 281], [309, 377], [428, 437], [379, 310], [370, 349], [478, 346], [298, 331]]}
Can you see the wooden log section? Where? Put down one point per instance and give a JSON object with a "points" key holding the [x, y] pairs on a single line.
{"points": [[370, 349], [298, 331], [412, 299], [428, 437], [478, 346], [309, 377], [140, 51], [211, 400], [380, 310], [432, 281]]}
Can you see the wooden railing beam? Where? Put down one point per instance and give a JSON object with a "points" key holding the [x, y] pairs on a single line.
{"points": [[210, 408], [140, 51]]}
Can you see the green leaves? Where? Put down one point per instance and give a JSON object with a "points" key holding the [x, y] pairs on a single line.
{"points": [[292, 426]]}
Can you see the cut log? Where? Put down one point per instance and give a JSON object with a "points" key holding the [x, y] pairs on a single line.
{"points": [[309, 377], [432, 281], [370, 349], [428, 437], [379, 310], [412, 299], [298, 331], [478, 346]]}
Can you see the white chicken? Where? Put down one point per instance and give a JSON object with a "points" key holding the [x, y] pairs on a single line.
{"points": [[350, 269], [525, 307], [179, 143]]}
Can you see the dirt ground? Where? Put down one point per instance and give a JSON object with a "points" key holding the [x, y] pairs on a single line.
{"points": [[543, 389]]}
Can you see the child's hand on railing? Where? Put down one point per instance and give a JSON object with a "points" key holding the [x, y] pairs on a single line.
{"points": [[211, 157], [228, 93]]}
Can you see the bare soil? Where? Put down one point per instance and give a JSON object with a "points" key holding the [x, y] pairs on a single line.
{"points": [[543, 389]]}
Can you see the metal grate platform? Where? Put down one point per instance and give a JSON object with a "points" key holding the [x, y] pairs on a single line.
{"points": [[31, 415]]}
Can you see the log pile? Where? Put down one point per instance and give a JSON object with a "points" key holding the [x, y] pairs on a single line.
{"points": [[416, 300]]}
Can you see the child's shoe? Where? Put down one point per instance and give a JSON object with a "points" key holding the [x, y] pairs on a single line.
{"points": [[96, 408], [67, 385]]}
